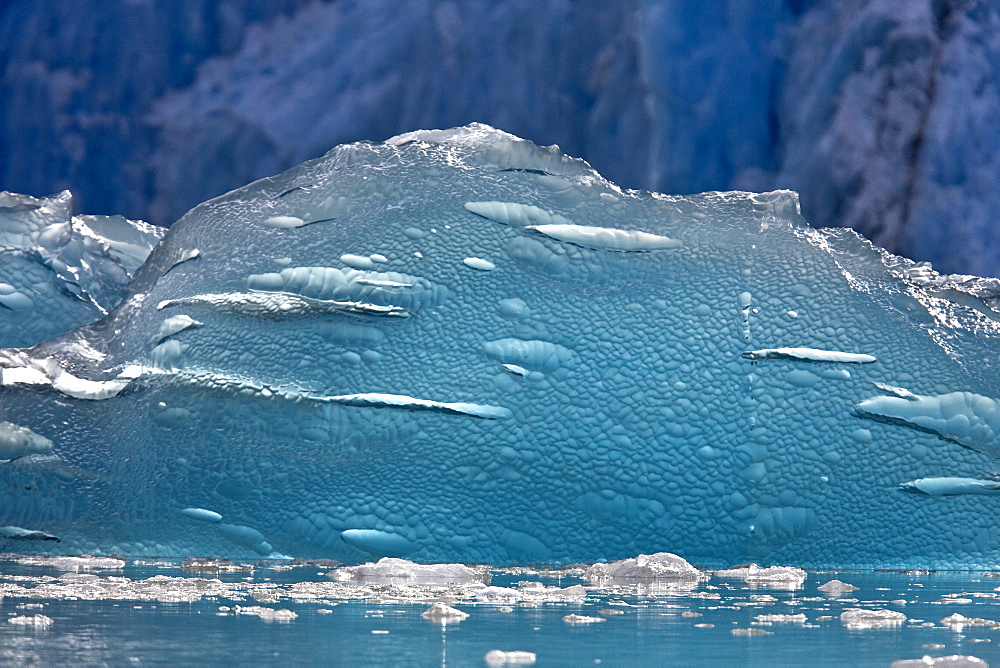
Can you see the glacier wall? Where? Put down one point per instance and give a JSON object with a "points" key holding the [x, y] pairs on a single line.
{"points": [[881, 113], [459, 346]]}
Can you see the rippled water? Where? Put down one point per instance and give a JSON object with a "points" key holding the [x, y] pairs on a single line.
{"points": [[141, 612]]}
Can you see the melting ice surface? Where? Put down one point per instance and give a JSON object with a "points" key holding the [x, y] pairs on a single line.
{"points": [[459, 346]]}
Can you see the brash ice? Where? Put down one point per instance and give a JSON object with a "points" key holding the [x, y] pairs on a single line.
{"points": [[459, 346]]}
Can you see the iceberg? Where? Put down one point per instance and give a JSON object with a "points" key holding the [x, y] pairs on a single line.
{"points": [[635, 373]]}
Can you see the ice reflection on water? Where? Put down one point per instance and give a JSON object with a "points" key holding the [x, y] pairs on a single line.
{"points": [[296, 613]]}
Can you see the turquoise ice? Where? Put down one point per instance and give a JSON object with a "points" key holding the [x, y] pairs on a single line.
{"points": [[460, 346]]}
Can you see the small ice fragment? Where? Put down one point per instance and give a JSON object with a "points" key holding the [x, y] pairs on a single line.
{"points": [[836, 587], [582, 619], [479, 263], [284, 222], [900, 392], [952, 661], [378, 257], [445, 614], [750, 632], [498, 657], [20, 533], [281, 615], [37, 621], [858, 618]]}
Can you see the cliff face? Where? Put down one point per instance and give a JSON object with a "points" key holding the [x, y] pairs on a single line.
{"points": [[883, 113]]}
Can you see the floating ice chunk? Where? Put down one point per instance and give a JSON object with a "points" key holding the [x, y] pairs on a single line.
{"points": [[17, 441], [957, 622], [970, 419], [951, 661], [284, 222], [74, 563], [606, 238], [202, 515], [497, 657], [381, 400], [948, 486], [443, 613], [37, 621], [479, 263], [782, 618], [515, 215], [750, 632], [175, 324], [777, 575], [809, 355], [582, 619], [859, 618], [659, 566], [390, 569], [281, 615], [836, 588]]}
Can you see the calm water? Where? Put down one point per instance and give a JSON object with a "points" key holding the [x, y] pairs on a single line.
{"points": [[158, 613]]}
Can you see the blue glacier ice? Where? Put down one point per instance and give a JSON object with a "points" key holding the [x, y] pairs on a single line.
{"points": [[459, 346], [59, 271]]}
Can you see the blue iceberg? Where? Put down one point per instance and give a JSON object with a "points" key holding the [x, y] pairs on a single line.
{"points": [[459, 346]]}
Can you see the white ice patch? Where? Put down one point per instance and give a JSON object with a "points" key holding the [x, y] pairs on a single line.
{"points": [[17, 368], [809, 355], [950, 486], [202, 515], [279, 304], [607, 238], [479, 263], [970, 419], [381, 400]]}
